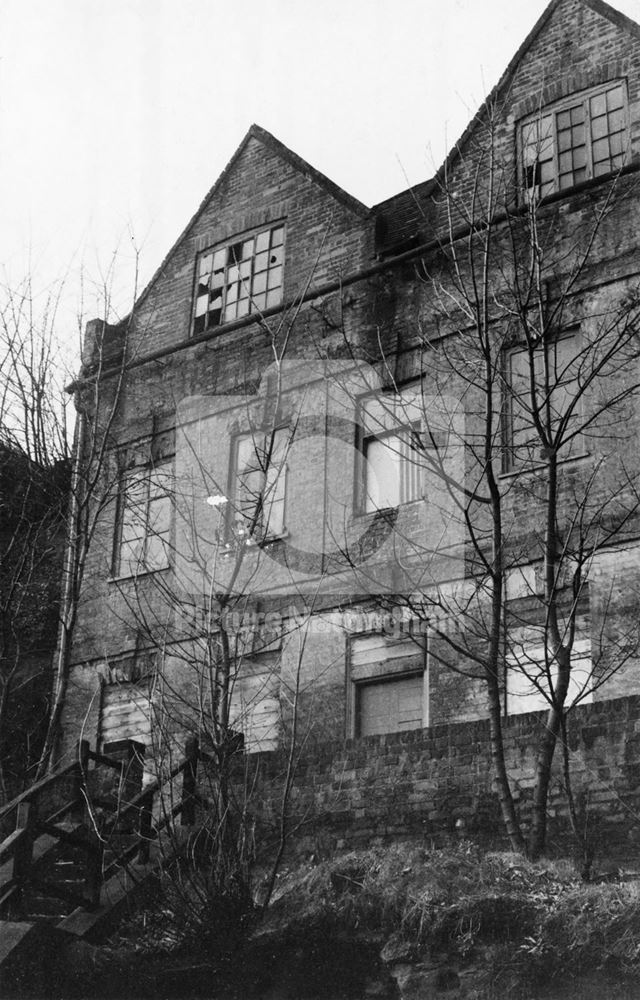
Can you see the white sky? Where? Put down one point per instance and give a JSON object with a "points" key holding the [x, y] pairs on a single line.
{"points": [[116, 116]]}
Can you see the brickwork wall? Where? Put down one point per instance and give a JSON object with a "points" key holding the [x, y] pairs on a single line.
{"points": [[576, 49], [423, 782], [324, 239], [397, 313]]}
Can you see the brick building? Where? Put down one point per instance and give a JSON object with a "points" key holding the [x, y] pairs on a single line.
{"points": [[337, 427]]}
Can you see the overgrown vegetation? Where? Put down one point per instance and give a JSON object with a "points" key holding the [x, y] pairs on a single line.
{"points": [[496, 924]]}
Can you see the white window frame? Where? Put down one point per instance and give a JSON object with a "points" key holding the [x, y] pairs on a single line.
{"points": [[392, 439], [542, 166]]}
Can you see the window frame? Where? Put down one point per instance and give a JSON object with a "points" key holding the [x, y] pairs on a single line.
{"points": [[510, 464], [525, 657], [378, 672], [229, 280], [124, 568], [235, 516], [413, 429], [532, 191]]}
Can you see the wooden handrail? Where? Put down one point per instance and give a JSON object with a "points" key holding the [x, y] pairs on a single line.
{"points": [[151, 789], [36, 788], [19, 844]]}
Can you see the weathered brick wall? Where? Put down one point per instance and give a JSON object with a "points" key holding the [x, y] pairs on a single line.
{"points": [[576, 49], [325, 237], [423, 782]]}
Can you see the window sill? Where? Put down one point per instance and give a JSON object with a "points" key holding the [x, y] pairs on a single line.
{"points": [[591, 182], [231, 545], [143, 573], [536, 469], [234, 324], [386, 511]]}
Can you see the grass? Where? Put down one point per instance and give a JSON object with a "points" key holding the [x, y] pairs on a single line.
{"points": [[513, 927]]}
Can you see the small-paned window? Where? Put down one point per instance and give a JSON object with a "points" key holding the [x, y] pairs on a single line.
{"points": [[244, 277], [583, 137], [547, 379], [143, 529], [394, 448], [259, 484]]}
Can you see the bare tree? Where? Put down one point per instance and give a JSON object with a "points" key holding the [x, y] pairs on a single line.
{"points": [[33, 483], [542, 358]]}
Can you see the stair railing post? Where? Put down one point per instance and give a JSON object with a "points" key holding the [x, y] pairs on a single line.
{"points": [[26, 819], [188, 810], [82, 770], [94, 866], [145, 828]]}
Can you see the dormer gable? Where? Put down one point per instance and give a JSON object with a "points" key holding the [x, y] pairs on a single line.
{"points": [[270, 227], [565, 110]]}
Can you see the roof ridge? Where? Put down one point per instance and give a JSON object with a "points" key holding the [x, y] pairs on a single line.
{"points": [[597, 6], [262, 135]]}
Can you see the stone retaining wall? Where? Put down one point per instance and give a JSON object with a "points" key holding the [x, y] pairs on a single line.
{"points": [[437, 782]]}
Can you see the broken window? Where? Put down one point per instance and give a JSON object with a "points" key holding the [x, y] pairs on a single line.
{"points": [[242, 278], [584, 136]]}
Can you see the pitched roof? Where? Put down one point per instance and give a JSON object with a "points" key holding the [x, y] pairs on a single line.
{"points": [[279, 148], [597, 6], [402, 221]]}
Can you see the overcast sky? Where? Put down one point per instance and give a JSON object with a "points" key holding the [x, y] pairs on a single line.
{"points": [[116, 116]]}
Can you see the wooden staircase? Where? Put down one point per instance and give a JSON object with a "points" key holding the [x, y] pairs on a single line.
{"points": [[83, 844]]}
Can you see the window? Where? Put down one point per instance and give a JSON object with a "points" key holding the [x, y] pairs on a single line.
{"points": [[554, 393], [585, 136], [144, 522], [242, 278], [388, 680], [259, 477], [393, 449], [528, 678]]}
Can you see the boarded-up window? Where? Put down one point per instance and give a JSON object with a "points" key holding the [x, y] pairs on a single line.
{"points": [[388, 684], [126, 714], [255, 710], [390, 706], [530, 678]]}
